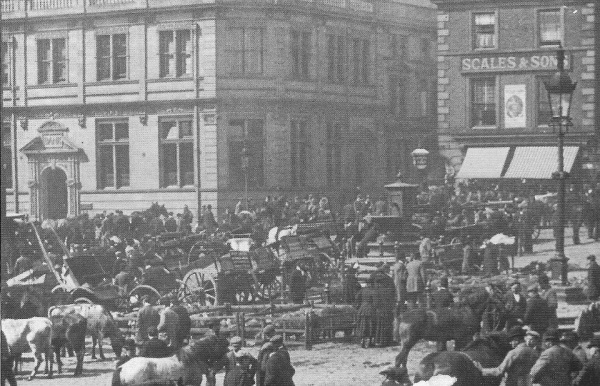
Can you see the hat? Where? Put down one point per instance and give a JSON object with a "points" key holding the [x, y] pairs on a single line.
{"points": [[235, 341], [591, 257], [552, 335], [532, 333], [276, 339], [268, 330], [595, 342], [129, 344], [569, 336], [152, 331], [516, 332], [532, 288]]}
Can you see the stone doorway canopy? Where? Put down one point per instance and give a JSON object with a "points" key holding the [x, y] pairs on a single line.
{"points": [[52, 149]]}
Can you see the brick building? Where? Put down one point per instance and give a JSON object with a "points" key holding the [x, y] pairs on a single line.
{"points": [[493, 111], [114, 104]]}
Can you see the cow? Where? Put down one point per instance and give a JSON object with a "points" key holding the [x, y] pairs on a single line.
{"points": [[100, 323], [35, 335], [69, 329]]}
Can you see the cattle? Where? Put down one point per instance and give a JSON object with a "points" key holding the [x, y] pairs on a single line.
{"points": [[100, 323], [69, 329], [35, 335]]}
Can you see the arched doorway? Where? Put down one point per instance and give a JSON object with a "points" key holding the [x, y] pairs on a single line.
{"points": [[54, 196]]}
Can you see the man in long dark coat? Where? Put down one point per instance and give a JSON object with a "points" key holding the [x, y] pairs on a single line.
{"points": [[298, 282], [148, 316], [515, 305], [536, 312], [593, 278], [279, 366], [415, 282]]}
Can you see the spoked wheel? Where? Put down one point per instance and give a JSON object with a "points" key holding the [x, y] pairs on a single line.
{"points": [[136, 294], [269, 291], [200, 287]]}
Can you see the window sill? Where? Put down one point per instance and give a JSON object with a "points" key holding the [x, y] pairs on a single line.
{"points": [[111, 82], [50, 85], [485, 127], [186, 78], [485, 49], [175, 187]]}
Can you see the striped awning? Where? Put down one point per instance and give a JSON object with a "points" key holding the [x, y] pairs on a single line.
{"points": [[483, 162], [539, 162]]}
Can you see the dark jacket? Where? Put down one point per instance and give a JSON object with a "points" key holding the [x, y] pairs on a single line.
{"points": [[442, 298], [239, 371], [154, 348], [590, 374], [279, 371], [554, 367], [536, 314], [415, 280], [148, 316], [298, 281], [515, 309], [594, 280], [185, 323]]}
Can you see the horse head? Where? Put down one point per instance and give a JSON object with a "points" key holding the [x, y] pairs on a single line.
{"points": [[209, 350], [117, 340]]}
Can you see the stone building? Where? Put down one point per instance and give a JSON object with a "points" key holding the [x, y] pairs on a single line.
{"points": [[114, 104], [493, 58]]}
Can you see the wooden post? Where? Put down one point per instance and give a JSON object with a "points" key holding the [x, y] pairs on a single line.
{"points": [[243, 328], [237, 323], [283, 283], [308, 331]]}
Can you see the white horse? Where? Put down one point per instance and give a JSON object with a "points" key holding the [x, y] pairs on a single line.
{"points": [[185, 367]]}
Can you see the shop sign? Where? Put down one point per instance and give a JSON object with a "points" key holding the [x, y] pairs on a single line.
{"points": [[531, 61]]}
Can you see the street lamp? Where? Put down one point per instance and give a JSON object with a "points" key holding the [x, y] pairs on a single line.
{"points": [[560, 93], [420, 158], [245, 169]]}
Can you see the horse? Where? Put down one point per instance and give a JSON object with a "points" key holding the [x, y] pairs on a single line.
{"points": [[100, 323], [459, 322], [588, 321], [185, 367], [35, 335], [69, 329], [489, 350]]}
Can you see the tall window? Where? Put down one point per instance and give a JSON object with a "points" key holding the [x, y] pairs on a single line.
{"points": [[7, 174], [544, 113], [7, 69], [175, 53], [176, 152], [299, 145], [333, 156], [550, 27], [425, 48], [245, 46], [398, 44], [397, 96], [484, 30], [248, 133], [483, 102], [52, 60], [424, 97], [301, 52], [360, 60], [336, 58], [112, 139], [111, 56]]}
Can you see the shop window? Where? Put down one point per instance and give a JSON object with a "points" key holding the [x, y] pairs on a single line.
{"points": [[484, 30], [112, 139], [7, 154], [175, 53], [52, 60], [111, 56], [544, 112], [550, 27], [176, 152], [361, 56], [248, 133], [245, 49], [333, 156], [299, 147], [483, 102], [301, 53]]}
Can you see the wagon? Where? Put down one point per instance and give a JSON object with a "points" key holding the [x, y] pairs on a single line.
{"points": [[236, 277], [294, 250]]}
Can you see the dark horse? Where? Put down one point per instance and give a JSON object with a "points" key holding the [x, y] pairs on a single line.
{"points": [[588, 322], [460, 322], [488, 350]]}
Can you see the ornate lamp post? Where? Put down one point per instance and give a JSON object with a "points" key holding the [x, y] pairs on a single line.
{"points": [[245, 169], [560, 93], [420, 158]]}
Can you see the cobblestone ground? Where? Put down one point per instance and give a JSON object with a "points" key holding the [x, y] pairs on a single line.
{"points": [[341, 363]]}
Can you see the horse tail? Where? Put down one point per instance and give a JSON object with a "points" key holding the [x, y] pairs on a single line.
{"points": [[116, 378]]}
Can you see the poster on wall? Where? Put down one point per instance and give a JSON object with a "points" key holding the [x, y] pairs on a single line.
{"points": [[514, 106]]}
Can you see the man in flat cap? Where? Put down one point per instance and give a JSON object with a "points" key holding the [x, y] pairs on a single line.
{"points": [[154, 347], [148, 316], [263, 354], [517, 363], [556, 363], [590, 374], [240, 366], [534, 340], [536, 313], [279, 370], [593, 278], [515, 305]]}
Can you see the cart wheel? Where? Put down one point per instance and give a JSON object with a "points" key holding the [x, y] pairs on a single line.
{"points": [[83, 301], [136, 294], [536, 232], [269, 291], [456, 241], [200, 287], [195, 251]]}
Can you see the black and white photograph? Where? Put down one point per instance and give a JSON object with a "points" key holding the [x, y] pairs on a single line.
{"points": [[300, 192]]}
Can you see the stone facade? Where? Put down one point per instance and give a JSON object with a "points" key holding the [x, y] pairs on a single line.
{"points": [[213, 95], [516, 29]]}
